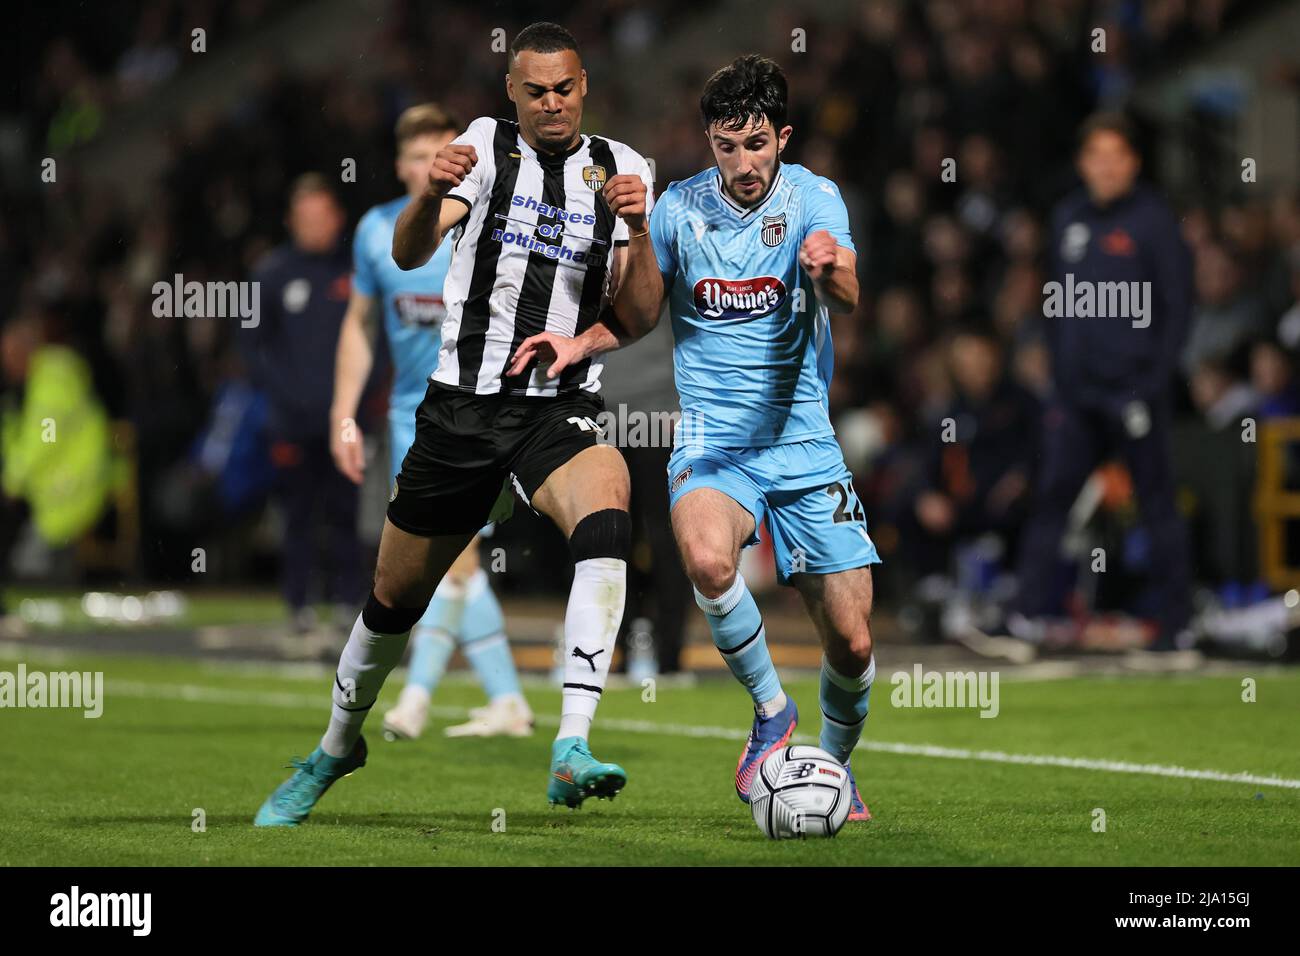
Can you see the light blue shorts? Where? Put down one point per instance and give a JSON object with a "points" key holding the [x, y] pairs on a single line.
{"points": [[803, 489]]}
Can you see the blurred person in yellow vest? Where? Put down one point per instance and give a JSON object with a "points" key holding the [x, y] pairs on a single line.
{"points": [[55, 454]]}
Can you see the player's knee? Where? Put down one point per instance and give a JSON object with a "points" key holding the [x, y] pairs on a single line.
{"points": [[602, 534], [710, 569], [852, 652], [860, 645]]}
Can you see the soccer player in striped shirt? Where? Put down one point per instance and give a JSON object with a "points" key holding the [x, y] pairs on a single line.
{"points": [[463, 609], [538, 214]]}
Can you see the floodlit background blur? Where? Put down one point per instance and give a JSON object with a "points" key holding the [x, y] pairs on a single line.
{"points": [[157, 503]]}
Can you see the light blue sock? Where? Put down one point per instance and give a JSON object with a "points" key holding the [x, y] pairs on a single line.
{"points": [[432, 641], [483, 640], [844, 709], [737, 630], [431, 648]]}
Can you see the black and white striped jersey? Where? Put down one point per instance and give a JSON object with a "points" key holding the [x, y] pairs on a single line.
{"points": [[533, 255]]}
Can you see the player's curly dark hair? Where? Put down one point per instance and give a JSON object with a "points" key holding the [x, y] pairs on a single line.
{"points": [[749, 88], [543, 37]]}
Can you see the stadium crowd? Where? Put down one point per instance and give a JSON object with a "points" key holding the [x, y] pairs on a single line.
{"points": [[950, 322]]}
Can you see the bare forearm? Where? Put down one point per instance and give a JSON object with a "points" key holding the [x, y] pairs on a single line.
{"points": [[604, 336], [640, 291], [416, 234], [352, 363], [838, 289]]}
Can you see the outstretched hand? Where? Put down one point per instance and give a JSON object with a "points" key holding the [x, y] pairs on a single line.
{"points": [[556, 351]]}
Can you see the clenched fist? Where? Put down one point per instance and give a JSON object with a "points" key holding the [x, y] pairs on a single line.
{"points": [[626, 197], [450, 167], [818, 254]]}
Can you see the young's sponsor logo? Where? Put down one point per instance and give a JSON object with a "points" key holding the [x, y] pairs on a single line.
{"points": [[422, 309], [738, 298]]}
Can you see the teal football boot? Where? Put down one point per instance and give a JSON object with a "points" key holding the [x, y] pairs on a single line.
{"points": [[289, 805], [577, 775]]}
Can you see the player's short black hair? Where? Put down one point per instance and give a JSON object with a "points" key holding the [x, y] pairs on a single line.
{"points": [[1110, 122], [749, 88], [543, 37]]}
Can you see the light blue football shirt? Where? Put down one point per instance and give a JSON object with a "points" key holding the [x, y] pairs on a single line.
{"points": [[411, 301], [753, 355]]}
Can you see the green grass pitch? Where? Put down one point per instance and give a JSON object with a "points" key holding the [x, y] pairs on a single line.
{"points": [[178, 736]]}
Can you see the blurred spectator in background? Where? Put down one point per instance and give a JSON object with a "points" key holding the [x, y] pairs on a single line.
{"points": [[978, 471], [1273, 379], [1112, 374], [1222, 394], [1227, 315], [290, 353], [55, 455]]}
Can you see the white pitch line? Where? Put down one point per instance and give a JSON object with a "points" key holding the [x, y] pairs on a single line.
{"points": [[221, 695]]}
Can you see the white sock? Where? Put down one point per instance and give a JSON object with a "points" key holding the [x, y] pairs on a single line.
{"points": [[364, 665], [770, 708], [591, 625], [413, 695]]}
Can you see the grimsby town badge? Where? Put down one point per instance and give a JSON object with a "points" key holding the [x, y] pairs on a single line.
{"points": [[774, 230]]}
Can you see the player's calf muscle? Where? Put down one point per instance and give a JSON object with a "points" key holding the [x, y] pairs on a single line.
{"points": [[410, 566], [840, 607]]}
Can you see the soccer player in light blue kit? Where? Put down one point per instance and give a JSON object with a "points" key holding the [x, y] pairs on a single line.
{"points": [[463, 609], [753, 255]]}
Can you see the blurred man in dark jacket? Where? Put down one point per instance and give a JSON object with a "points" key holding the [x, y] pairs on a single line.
{"points": [[303, 295], [978, 469], [1117, 315]]}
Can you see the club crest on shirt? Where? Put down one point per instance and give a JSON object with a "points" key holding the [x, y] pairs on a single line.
{"points": [[773, 230], [1074, 241], [682, 478], [594, 177]]}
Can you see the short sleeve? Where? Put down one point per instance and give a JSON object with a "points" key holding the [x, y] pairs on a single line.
{"points": [[480, 135], [620, 227], [825, 210], [364, 279], [661, 236]]}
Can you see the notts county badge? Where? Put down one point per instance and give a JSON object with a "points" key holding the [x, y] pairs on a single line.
{"points": [[774, 230], [594, 177]]}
